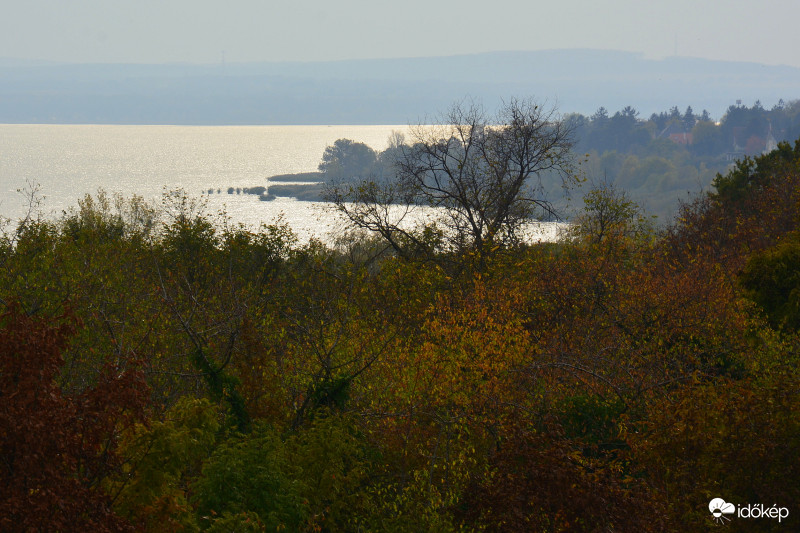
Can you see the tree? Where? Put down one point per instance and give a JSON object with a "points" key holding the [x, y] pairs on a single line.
{"points": [[687, 447], [150, 489], [347, 160], [689, 119], [540, 483], [57, 449], [600, 115], [772, 280], [481, 173], [300, 481], [707, 138], [608, 213]]}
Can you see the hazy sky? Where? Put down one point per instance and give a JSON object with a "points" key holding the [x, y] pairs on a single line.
{"points": [[198, 31]]}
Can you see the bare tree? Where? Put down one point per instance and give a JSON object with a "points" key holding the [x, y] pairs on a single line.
{"points": [[481, 173]]}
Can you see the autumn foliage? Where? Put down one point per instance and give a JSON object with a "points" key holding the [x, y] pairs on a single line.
{"points": [[206, 377], [57, 447]]}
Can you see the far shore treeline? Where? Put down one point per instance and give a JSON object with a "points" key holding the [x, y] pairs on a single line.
{"points": [[160, 371], [657, 160]]}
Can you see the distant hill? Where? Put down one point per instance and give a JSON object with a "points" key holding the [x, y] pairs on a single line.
{"points": [[380, 91]]}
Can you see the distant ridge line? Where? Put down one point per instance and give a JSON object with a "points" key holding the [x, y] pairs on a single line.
{"points": [[378, 91]]}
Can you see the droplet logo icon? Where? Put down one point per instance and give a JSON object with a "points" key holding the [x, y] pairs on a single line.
{"points": [[719, 508]]}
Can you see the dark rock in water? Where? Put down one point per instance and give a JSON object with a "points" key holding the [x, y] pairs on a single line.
{"points": [[309, 191], [259, 190]]}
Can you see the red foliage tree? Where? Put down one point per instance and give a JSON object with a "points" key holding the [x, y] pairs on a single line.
{"points": [[57, 448], [541, 482]]}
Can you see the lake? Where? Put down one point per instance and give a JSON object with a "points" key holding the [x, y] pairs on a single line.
{"points": [[66, 162]]}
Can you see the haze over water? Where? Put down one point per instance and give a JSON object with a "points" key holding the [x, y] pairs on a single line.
{"points": [[67, 162]]}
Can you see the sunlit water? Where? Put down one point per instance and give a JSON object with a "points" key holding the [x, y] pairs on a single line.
{"points": [[67, 162]]}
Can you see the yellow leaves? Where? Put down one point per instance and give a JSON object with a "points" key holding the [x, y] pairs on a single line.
{"points": [[464, 354]]}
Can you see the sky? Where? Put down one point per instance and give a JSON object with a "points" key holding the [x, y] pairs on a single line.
{"points": [[210, 31]]}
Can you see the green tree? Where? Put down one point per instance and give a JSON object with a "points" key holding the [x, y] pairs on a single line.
{"points": [[609, 212], [297, 482], [150, 490], [772, 280], [347, 160], [707, 139], [689, 119]]}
